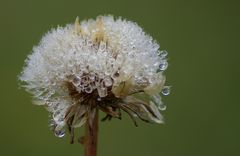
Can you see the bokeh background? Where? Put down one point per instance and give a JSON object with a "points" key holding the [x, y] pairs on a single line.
{"points": [[202, 116]]}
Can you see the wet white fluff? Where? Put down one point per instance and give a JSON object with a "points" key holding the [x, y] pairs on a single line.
{"points": [[69, 54]]}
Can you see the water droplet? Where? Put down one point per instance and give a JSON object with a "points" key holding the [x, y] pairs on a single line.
{"points": [[163, 65], [102, 92], [166, 90], [107, 81], [162, 107], [76, 81], [88, 89], [59, 133], [163, 54]]}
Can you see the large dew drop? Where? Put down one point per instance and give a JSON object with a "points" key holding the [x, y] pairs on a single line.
{"points": [[163, 65], [162, 107], [108, 81], [102, 92], [163, 54], [76, 81], [166, 90], [59, 133]]}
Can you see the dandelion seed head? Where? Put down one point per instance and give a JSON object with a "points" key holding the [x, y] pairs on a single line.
{"points": [[110, 59]]}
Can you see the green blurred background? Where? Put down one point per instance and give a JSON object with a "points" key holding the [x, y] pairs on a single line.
{"points": [[202, 116]]}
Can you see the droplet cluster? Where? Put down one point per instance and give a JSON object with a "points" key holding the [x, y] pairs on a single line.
{"points": [[96, 55]]}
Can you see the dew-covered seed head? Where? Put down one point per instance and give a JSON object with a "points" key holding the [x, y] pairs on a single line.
{"points": [[110, 61]]}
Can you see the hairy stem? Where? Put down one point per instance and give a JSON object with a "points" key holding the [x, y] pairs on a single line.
{"points": [[90, 139]]}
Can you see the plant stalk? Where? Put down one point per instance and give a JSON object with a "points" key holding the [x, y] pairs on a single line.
{"points": [[91, 134]]}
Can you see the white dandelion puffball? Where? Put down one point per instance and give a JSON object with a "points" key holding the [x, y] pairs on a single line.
{"points": [[107, 64]]}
